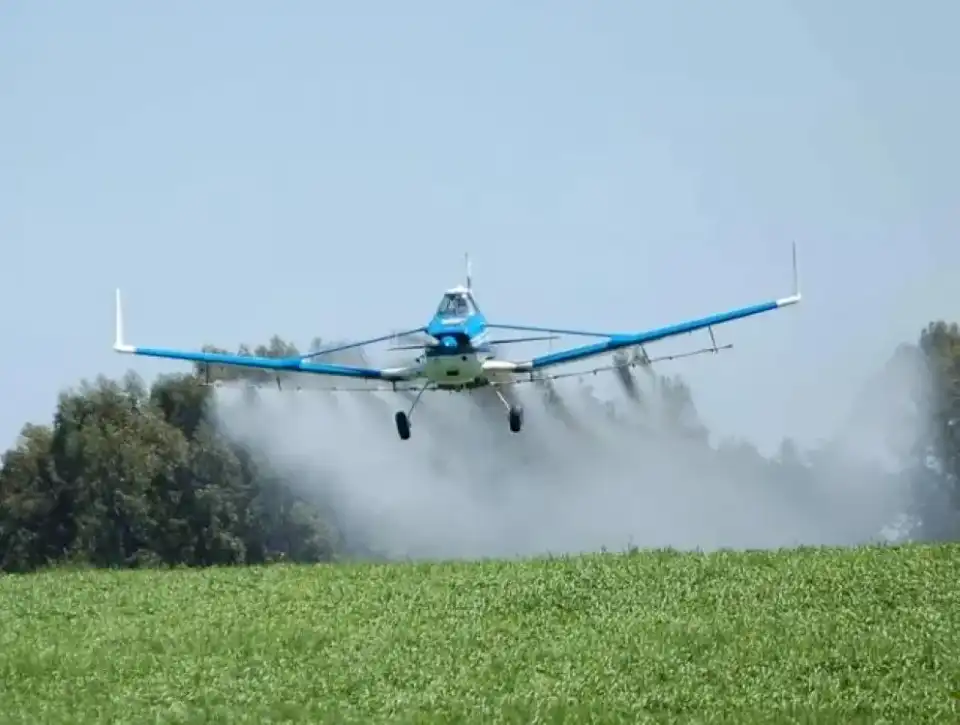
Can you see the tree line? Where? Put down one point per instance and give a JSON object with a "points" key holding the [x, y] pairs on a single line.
{"points": [[130, 475]]}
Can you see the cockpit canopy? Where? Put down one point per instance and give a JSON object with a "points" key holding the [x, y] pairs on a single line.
{"points": [[456, 304]]}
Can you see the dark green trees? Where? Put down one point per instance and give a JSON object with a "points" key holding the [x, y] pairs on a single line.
{"points": [[127, 476]]}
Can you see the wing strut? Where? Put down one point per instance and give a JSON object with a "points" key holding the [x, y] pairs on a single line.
{"points": [[620, 341]]}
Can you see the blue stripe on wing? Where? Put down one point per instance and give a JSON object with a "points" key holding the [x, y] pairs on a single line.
{"points": [[262, 363]]}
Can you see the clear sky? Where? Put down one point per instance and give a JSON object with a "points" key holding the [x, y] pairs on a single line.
{"points": [[304, 168]]}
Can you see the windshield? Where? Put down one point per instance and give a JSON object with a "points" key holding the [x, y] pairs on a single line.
{"points": [[454, 305]]}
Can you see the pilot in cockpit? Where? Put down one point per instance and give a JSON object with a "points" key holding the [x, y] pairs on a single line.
{"points": [[454, 305]]}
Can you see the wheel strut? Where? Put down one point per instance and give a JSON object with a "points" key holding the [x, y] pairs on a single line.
{"points": [[514, 412], [402, 418]]}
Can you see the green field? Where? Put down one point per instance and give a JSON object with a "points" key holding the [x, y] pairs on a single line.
{"points": [[867, 635]]}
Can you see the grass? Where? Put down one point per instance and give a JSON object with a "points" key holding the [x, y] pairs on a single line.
{"points": [[815, 635]]}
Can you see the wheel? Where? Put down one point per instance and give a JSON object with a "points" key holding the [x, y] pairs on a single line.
{"points": [[516, 418], [403, 425]]}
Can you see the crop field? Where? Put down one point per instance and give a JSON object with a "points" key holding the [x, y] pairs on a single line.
{"points": [[811, 635]]}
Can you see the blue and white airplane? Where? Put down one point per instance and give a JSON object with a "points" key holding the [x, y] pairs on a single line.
{"points": [[458, 353]]}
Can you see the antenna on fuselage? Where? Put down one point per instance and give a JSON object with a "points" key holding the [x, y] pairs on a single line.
{"points": [[466, 263]]}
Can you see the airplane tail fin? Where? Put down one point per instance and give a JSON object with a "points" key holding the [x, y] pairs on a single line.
{"points": [[469, 276]]}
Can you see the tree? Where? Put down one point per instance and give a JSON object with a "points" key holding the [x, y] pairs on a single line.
{"points": [[276, 348], [937, 452], [127, 476]]}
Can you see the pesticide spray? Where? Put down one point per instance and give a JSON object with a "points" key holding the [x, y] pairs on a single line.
{"points": [[594, 468]]}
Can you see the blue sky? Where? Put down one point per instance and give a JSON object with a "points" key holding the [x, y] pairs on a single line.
{"points": [[303, 168]]}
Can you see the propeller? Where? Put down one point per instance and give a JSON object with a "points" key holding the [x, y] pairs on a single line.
{"points": [[433, 342], [415, 341]]}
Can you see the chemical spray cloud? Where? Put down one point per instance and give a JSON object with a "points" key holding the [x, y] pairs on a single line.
{"points": [[583, 475]]}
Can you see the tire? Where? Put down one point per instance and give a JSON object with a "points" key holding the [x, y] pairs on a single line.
{"points": [[403, 425], [516, 419]]}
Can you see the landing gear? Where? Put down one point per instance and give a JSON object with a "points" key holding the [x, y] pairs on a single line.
{"points": [[403, 418], [514, 412]]}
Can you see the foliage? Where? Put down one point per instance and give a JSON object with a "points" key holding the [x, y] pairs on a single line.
{"points": [[815, 635], [937, 452], [131, 476], [128, 477]]}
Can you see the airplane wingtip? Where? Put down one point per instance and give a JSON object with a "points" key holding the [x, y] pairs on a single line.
{"points": [[796, 274], [118, 343]]}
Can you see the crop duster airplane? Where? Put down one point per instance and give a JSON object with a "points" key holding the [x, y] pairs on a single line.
{"points": [[458, 353]]}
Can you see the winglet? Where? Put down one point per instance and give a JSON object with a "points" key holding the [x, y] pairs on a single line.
{"points": [[118, 343], [795, 297]]}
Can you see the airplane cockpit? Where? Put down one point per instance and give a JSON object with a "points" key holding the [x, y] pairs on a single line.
{"points": [[456, 304]]}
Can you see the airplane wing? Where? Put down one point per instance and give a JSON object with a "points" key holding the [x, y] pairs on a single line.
{"points": [[618, 341], [299, 364]]}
